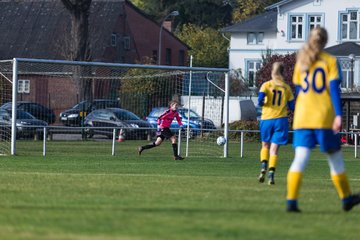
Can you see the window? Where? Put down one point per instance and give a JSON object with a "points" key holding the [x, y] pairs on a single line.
{"points": [[168, 56], [315, 21], [350, 26], [255, 38], [113, 39], [126, 43], [23, 86], [252, 68], [347, 72], [297, 27]]}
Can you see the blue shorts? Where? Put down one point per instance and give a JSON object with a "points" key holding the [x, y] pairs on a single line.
{"points": [[274, 130], [328, 141]]}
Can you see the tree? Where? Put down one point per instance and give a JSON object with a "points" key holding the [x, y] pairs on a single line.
{"points": [[245, 9], [208, 46], [206, 13], [79, 47], [264, 74]]}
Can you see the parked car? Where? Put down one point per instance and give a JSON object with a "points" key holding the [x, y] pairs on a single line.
{"points": [[76, 115], [133, 126], [5, 128], [35, 109], [27, 126], [195, 123]]}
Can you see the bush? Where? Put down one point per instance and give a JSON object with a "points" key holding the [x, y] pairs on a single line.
{"points": [[244, 125]]}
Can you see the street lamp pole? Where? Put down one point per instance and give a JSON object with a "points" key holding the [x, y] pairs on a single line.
{"points": [[352, 59], [351, 85], [173, 13]]}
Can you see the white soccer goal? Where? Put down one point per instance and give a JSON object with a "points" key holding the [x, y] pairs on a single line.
{"points": [[69, 97]]}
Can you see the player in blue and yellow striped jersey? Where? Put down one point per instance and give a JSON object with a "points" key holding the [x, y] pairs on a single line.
{"points": [[275, 98], [317, 118]]}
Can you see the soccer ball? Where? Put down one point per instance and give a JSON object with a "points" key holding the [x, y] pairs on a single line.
{"points": [[220, 141]]}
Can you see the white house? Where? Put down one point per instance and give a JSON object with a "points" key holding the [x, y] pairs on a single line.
{"points": [[284, 28]]}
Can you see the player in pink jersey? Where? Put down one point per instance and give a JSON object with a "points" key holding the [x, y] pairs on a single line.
{"points": [[164, 122]]}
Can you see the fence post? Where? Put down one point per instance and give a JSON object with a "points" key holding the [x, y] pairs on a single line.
{"points": [[179, 143], [356, 143], [44, 142], [241, 144], [113, 143]]}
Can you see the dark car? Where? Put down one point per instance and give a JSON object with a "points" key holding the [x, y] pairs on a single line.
{"points": [[35, 109], [195, 123], [27, 126], [5, 128], [76, 115], [104, 120]]}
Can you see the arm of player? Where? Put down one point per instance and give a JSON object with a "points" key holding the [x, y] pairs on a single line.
{"points": [[336, 101], [178, 119], [291, 105], [261, 99]]}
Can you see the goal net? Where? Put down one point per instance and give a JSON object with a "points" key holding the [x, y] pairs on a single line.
{"points": [[69, 99]]}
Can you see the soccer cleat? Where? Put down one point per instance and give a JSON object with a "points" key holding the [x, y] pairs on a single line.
{"points": [[293, 209], [271, 178], [140, 149], [354, 200], [178, 158], [262, 176]]}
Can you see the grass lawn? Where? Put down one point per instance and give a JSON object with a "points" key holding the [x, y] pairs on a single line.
{"points": [[80, 191]]}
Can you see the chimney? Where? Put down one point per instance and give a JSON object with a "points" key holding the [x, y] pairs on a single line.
{"points": [[168, 25]]}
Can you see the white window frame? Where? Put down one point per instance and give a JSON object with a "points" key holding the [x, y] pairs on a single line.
{"points": [[252, 70], [298, 25], [316, 23], [23, 86], [349, 21], [346, 74]]}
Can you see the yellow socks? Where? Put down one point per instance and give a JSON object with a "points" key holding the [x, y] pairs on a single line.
{"points": [[341, 184], [264, 154], [272, 162], [293, 185]]}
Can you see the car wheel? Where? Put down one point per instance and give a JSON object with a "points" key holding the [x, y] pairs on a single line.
{"points": [[89, 133]]}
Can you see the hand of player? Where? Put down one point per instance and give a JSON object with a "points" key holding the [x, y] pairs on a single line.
{"points": [[337, 124]]}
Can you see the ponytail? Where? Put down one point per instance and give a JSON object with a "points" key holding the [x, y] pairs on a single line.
{"points": [[309, 53]]}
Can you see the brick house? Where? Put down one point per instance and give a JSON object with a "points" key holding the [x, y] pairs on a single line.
{"points": [[119, 32]]}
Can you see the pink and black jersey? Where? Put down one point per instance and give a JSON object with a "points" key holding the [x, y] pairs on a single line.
{"points": [[165, 119]]}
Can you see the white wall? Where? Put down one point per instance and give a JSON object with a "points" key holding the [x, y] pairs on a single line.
{"points": [[213, 107]]}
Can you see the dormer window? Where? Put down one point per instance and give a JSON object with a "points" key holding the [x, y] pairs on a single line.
{"points": [[255, 38]]}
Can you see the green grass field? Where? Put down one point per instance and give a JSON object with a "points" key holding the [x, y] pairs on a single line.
{"points": [[80, 191]]}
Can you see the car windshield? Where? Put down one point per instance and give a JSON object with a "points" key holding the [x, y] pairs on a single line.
{"points": [[184, 112], [82, 105], [125, 115], [24, 115]]}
